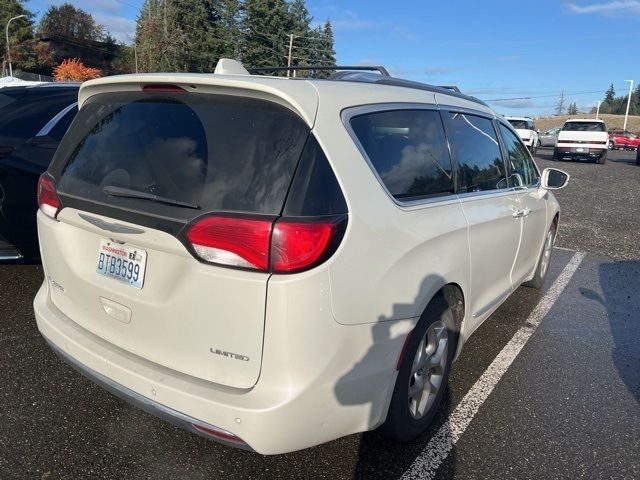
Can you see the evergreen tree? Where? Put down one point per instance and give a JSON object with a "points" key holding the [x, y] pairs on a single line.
{"points": [[265, 24], [326, 53], [299, 22], [573, 109], [20, 35], [610, 94], [178, 35], [229, 27]]}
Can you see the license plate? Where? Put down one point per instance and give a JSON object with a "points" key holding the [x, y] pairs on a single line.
{"points": [[123, 263], [581, 150]]}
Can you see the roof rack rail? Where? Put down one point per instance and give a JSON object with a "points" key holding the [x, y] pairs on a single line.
{"points": [[451, 87], [366, 68]]}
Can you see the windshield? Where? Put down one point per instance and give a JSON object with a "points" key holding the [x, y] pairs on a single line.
{"points": [[216, 152], [584, 127], [521, 124]]}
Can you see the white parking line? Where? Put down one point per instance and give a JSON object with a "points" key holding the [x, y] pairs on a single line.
{"points": [[425, 466]]}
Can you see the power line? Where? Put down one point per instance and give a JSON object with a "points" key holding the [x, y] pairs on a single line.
{"points": [[540, 96]]}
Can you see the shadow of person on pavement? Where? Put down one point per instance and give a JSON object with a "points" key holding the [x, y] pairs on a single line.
{"points": [[379, 457], [620, 284]]}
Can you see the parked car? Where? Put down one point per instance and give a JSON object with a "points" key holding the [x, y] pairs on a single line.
{"points": [[623, 139], [549, 137], [276, 263], [638, 156], [527, 131], [582, 139], [33, 120]]}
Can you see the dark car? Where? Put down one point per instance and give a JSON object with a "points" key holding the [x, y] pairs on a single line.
{"points": [[33, 120]]}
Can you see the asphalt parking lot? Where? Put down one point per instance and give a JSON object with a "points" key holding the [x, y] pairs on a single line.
{"points": [[548, 387]]}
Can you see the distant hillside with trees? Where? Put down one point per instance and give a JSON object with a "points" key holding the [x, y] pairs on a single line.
{"points": [[618, 105]]}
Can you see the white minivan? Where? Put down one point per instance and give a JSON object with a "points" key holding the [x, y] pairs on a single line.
{"points": [[274, 262]]}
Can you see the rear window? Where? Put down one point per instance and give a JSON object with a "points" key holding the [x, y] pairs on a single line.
{"points": [[408, 150], [204, 152], [521, 124], [25, 113], [584, 127]]}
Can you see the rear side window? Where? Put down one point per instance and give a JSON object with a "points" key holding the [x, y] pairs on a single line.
{"points": [[23, 117], [522, 172], [584, 127], [475, 147], [408, 150], [60, 128], [206, 152]]}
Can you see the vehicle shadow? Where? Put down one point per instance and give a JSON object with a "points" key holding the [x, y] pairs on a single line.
{"points": [[379, 457], [620, 282]]}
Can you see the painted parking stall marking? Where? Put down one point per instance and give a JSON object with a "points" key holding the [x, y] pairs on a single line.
{"points": [[438, 448]]}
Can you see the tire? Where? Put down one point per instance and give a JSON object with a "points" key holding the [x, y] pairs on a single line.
{"points": [[436, 337], [534, 149], [544, 260], [556, 155], [602, 159]]}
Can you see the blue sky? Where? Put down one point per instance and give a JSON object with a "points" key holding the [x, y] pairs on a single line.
{"points": [[521, 53]]}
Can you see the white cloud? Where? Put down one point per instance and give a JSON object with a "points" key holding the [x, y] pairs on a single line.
{"points": [[613, 8], [120, 28], [351, 21], [514, 103]]}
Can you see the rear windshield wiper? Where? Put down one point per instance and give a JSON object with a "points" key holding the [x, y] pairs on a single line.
{"points": [[130, 193]]}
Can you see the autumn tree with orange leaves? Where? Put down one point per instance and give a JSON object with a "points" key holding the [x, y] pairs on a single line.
{"points": [[73, 70]]}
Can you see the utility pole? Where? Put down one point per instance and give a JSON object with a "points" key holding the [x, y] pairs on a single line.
{"points": [[135, 54], [290, 52], [598, 110], [626, 115], [560, 107], [6, 32]]}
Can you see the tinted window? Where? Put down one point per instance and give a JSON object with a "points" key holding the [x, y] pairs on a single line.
{"points": [[218, 152], [521, 124], [584, 127], [521, 169], [474, 145], [314, 190], [30, 111], [60, 128], [408, 149]]}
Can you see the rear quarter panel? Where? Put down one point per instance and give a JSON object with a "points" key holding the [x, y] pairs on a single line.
{"points": [[393, 259]]}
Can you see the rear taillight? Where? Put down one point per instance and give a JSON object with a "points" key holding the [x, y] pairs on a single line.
{"points": [[297, 246], [48, 201], [287, 245], [237, 242]]}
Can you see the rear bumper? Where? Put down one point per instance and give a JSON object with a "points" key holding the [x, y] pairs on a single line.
{"points": [[144, 403], [299, 401], [590, 151]]}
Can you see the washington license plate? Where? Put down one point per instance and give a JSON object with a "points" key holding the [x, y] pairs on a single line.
{"points": [[123, 263]]}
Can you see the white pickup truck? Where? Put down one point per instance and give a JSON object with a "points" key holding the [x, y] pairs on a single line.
{"points": [[582, 139]]}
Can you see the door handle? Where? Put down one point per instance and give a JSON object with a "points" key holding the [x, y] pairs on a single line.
{"points": [[521, 212]]}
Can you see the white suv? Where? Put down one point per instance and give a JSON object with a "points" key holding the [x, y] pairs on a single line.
{"points": [[274, 263], [582, 138], [527, 131]]}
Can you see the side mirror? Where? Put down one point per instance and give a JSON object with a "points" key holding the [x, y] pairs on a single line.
{"points": [[554, 179], [537, 130]]}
